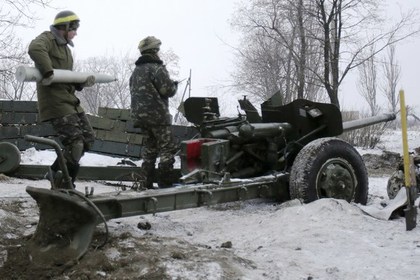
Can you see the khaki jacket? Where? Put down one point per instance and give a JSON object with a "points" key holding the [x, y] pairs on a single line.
{"points": [[49, 52]]}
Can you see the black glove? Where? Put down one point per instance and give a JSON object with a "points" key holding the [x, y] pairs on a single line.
{"points": [[47, 78], [48, 74], [90, 81], [78, 87]]}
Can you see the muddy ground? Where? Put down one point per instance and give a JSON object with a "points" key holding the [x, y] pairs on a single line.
{"points": [[128, 253]]}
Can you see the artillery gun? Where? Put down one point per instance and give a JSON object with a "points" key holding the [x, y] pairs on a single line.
{"points": [[297, 139], [288, 152]]}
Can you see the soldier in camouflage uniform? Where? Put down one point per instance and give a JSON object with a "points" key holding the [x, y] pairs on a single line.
{"points": [[57, 102], [151, 87]]}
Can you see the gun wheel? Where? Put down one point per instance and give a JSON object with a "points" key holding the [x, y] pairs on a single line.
{"points": [[9, 157], [329, 168]]}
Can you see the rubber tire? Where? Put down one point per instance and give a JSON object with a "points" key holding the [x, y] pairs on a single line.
{"points": [[312, 160], [9, 157]]}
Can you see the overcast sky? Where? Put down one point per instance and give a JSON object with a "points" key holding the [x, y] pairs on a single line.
{"points": [[196, 30], [199, 32]]}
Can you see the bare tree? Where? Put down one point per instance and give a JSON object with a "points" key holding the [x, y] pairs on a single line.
{"points": [[113, 95], [276, 50], [392, 73], [260, 71], [10, 88], [283, 41], [350, 27], [368, 83], [171, 60], [14, 14]]}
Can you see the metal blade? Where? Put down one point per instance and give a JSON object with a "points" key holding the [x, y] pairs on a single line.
{"points": [[398, 202], [410, 217], [65, 228]]}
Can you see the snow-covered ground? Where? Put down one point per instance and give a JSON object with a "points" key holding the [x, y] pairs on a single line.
{"points": [[325, 239]]}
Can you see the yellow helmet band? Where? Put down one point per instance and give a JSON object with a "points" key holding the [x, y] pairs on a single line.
{"points": [[58, 21]]}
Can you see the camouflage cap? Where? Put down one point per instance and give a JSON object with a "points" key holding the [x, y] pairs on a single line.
{"points": [[148, 43]]}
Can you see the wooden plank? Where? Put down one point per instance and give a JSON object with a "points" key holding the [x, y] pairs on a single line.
{"points": [[115, 148], [40, 129], [119, 125], [129, 127], [7, 132], [119, 137], [22, 144], [18, 106], [114, 114], [18, 118], [179, 131], [100, 123], [99, 146], [106, 124]]}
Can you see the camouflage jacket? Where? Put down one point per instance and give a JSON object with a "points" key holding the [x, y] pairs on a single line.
{"points": [[50, 51], [150, 88]]}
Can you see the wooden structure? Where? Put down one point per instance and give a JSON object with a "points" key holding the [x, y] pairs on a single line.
{"points": [[114, 131]]}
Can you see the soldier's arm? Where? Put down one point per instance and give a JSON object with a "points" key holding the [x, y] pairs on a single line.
{"points": [[163, 83], [38, 51]]}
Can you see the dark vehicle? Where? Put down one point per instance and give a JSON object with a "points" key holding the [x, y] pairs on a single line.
{"points": [[297, 139]]}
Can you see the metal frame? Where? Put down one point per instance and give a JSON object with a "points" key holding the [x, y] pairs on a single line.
{"points": [[130, 203]]}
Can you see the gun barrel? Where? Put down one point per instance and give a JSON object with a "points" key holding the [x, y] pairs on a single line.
{"points": [[262, 130], [356, 124]]}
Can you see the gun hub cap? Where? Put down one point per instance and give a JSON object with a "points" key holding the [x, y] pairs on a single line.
{"points": [[336, 178]]}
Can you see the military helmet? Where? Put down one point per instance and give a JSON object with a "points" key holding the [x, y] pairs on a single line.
{"points": [[149, 43], [68, 19]]}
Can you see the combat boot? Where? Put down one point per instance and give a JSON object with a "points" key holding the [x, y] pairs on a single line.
{"points": [[73, 170], [55, 178], [164, 175], [147, 174], [54, 175]]}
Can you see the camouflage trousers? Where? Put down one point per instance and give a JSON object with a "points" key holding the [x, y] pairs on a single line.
{"points": [[75, 134], [160, 143]]}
